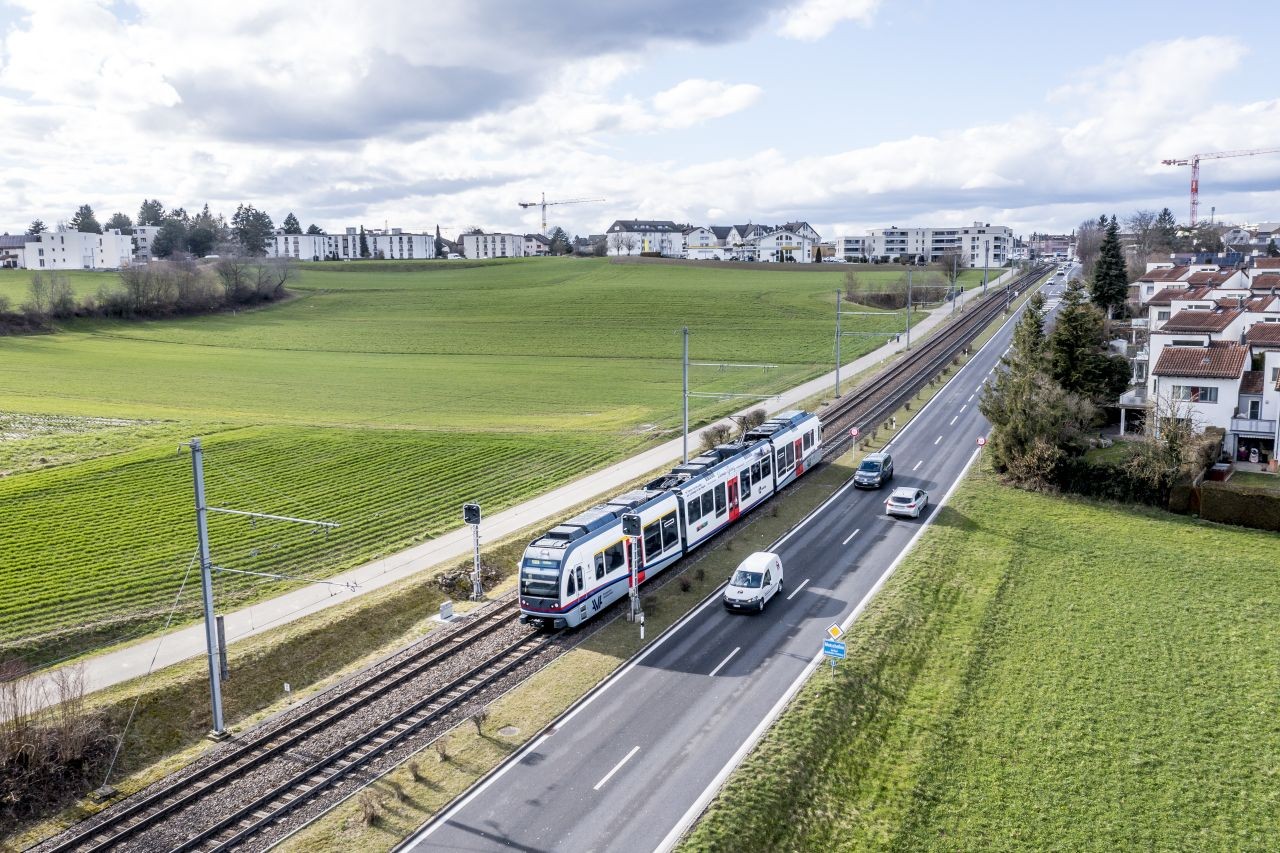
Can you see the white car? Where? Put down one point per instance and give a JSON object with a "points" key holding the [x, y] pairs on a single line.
{"points": [[757, 579], [906, 501]]}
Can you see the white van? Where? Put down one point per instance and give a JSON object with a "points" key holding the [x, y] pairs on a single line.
{"points": [[757, 579]]}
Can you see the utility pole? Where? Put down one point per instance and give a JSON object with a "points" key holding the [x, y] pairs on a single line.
{"points": [[685, 364], [471, 516], [986, 249], [908, 309], [837, 343], [218, 732], [212, 624]]}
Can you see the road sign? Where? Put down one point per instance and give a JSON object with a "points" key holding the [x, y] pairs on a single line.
{"points": [[982, 441], [834, 632], [855, 432], [833, 649]]}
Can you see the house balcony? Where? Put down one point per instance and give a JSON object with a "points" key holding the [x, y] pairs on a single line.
{"points": [[1254, 427], [1134, 398]]}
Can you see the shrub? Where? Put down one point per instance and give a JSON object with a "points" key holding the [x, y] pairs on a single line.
{"points": [[1244, 506], [370, 807], [715, 434]]}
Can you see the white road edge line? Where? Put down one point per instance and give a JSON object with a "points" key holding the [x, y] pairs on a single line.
{"points": [[918, 464], [501, 770], [616, 768], [705, 798], [796, 591], [712, 673], [847, 538], [953, 420]]}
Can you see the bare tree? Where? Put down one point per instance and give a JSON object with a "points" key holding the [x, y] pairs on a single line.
{"points": [[629, 242], [949, 263], [1142, 228], [1088, 242]]}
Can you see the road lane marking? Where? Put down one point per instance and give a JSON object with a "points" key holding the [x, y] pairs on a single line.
{"points": [[719, 666], [850, 536], [796, 591], [618, 766], [970, 400], [979, 388], [938, 440], [965, 406], [953, 420], [918, 464]]}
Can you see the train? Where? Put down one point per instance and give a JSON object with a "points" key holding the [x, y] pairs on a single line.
{"points": [[579, 567]]}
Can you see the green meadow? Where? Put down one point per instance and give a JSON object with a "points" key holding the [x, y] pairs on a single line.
{"points": [[380, 396]]}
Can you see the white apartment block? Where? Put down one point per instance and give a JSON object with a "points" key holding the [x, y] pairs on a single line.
{"points": [[76, 250], [635, 236], [143, 237], [493, 245], [851, 247], [977, 245], [394, 244]]}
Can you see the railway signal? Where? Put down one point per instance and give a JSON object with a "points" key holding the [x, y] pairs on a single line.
{"points": [[854, 432], [632, 528], [471, 515]]}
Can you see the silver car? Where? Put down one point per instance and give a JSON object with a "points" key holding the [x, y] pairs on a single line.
{"points": [[906, 501]]}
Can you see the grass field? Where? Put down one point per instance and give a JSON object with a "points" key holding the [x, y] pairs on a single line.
{"points": [[1042, 673], [370, 399]]}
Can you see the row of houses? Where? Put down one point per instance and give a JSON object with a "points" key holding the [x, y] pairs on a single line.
{"points": [[980, 244], [1211, 350]]}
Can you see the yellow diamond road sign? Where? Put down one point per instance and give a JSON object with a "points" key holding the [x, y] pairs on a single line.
{"points": [[834, 631]]}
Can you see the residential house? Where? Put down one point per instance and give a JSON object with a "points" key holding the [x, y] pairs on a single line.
{"points": [[536, 244], [77, 250], [851, 248], [637, 236], [13, 251]]}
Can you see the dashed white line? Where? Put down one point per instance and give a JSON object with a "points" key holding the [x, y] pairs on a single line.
{"points": [[953, 420], [850, 536], [918, 464], [970, 400], [938, 440], [719, 666], [965, 406], [618, 766], [979, 388], [796, 591]]}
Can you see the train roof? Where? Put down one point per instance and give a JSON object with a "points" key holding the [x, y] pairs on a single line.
{"points": [[590, 520], [703, 464], [778, 423]]}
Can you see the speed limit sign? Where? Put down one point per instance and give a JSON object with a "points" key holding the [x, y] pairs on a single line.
{"points": [[982, 441], [855, 432]]}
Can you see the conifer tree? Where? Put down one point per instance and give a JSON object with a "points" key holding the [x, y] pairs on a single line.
{"points": [[85, 221], [151, 212], [1110, 283], [364, 244], [1078, 356], [292, 225], [37, 226]]}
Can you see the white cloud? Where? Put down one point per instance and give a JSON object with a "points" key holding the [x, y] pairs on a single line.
{"points": [[810, 20], [695, 101]]}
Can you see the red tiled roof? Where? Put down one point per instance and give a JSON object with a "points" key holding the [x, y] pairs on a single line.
{"points": [[1209, 277], [1168, 294], [1251, 303], [1263, 333], [1164, 274], [1265, 280], [1266, 263], [1219, 360], [1195, 320], [1251, 382]]}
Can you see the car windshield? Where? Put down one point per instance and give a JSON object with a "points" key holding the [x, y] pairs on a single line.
{"points": [[902, 499], [747, 579], [869, 465]]}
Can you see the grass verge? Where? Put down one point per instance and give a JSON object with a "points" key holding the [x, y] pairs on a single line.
{"points": [[1040, 673]]}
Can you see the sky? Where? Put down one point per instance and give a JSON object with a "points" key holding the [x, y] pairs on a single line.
{"points": [[849, 114]]}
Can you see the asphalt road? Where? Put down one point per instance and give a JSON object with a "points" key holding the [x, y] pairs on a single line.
{"points": [[631, 768]]}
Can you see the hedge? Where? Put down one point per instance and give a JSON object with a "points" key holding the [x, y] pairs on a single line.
{"points": [[1245, 506]]}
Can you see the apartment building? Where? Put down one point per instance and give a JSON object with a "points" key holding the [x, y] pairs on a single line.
{"points": [[78, 250], [637, 236], [484, 245], [389, 244], [977, 245]]}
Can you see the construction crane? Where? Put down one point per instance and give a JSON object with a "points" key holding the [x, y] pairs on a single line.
{"points": [[544, 204], [1194, 162]]}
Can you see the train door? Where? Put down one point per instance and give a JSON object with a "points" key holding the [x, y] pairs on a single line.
{"points": [[799, 456], [733, 500]]}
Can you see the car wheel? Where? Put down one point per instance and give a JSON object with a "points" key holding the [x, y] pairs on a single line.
{"points": [[760, 608]]}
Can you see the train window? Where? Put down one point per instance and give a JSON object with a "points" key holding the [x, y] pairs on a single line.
{"points": [[808, 440], [766, 466], [791, 455], [600, 565], [581, 585], [616, 555], [652, 540], [708, 503], [572, 588], [755, 473], [721, 503], [745, 479], [694, 509], [670, 531]]}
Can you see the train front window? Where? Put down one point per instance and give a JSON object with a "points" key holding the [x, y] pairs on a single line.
{"points": [[539, 584]]}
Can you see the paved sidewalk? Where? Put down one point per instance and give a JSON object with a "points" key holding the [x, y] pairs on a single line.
{"points": [[134, 660]]}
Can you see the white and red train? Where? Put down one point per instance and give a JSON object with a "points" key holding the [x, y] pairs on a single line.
{"points": [[579, 567]]}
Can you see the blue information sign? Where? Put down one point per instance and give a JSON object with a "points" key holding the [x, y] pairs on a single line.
{"points": [[833, 648]]}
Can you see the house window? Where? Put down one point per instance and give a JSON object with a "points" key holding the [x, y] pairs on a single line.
{"points": [[1161, 316], [1194, 393], [1275, 374]]}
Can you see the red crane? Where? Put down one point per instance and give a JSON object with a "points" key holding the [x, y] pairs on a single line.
{"points": [[1194, 162]]}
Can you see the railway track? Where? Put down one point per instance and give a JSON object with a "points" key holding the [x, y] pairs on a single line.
{"points": [[873, 401], [169, 817]]}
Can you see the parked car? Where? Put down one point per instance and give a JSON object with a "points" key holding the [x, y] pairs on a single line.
{"points": [[906, 501], [876, 470], [757, 579]]}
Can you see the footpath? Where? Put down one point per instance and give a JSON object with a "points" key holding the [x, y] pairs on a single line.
{"points": [[131, 661]]}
